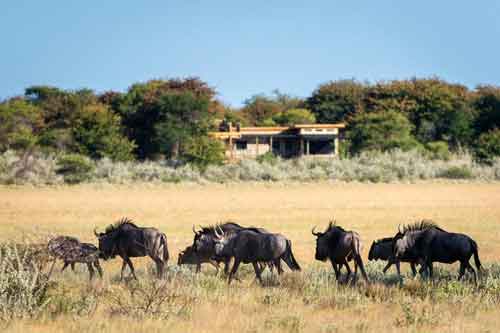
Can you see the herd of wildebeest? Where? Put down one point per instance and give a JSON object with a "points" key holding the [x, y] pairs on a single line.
{"points": [[421, 243]]}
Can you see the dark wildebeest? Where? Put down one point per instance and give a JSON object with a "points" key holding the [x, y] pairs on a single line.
{"points": [[382, 250], [428, 243], [190, 257], [204, 241], [127, 240], [250, 247], [70, 250], [340, 246]]}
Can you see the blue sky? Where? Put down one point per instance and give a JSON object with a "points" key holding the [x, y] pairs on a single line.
{"points": [[243, 48]]}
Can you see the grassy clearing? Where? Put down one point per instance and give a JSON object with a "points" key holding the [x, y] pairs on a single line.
{"points": [[309, 301]]}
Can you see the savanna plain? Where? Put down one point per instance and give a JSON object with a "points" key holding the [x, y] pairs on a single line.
{"points": [[309, 301]]}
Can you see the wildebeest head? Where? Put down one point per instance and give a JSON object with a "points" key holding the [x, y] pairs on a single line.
{"points": [[188, 256], [106, 244], [322, 244], [221, 241], [203, 241], [381, 249]]}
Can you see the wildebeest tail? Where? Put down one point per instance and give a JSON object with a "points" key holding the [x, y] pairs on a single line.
{"points": [[289, 258], [476, 255], [163, 245]]}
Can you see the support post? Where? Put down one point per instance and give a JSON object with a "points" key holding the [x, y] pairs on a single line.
{"points": [[271, 144], [307, 147], [257, 145], [301, 152], [336, 145]]}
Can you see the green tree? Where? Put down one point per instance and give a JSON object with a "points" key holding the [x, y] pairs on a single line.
{"points": [[380, 131], [487, 105], [336, 101], [97, 133], [439, 111], [160, 115], [20, 124], [260, 109], [294, 117]]}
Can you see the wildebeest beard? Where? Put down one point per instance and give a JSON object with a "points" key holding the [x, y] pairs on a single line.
{"points": [[322, 247], [107, 248]]}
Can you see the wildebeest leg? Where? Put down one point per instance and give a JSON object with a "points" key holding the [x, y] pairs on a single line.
{"points": [[226, 266], [349, 272], [389, 264], [359, 262], [66, 264], [198, 267], [470, 269], [279, 268], [159, 267], [129, 262], [124, 264], [257, 270], [335, 269], [233, 270], [413, 269], [73, 266], [98, 267], [461, 270], [430, 269], [91, 271]]}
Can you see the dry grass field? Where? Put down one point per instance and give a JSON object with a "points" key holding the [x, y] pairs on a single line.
{"points": [[309, 301]]}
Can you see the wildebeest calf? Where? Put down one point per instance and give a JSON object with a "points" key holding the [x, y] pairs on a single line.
{"points": [[70, 250], [382, 250], [191, 257]]}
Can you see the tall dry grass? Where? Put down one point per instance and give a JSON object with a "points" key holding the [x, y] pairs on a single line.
{"points": [[297, 302]]}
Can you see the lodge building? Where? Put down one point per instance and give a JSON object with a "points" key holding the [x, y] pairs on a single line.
{"points": [[286, 141]]}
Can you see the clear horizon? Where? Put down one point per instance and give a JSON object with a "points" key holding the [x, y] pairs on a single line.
{"points": [[246, 49]]}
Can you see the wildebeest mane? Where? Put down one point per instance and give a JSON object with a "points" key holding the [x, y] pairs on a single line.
{"points": [[332, 226], [120, 223], [421, 226], [211, 228]]}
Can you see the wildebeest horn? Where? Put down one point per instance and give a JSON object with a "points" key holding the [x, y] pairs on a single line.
{"points": [[217, 234], [315, 233], [194, 230], [95, 232], [399, 228]]}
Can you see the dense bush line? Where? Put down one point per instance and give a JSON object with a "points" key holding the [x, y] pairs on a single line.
{"points": [[394, 166], [172, 118]]}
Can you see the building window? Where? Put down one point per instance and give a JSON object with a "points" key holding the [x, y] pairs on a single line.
{"points": [[241, 145]]}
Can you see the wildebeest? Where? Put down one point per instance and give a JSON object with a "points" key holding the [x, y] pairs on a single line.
{"points": [[340, 246], [204, 240], [70, 250], [127, 240], [251, 247], [428, 243], [381, 249], [190, 257]]}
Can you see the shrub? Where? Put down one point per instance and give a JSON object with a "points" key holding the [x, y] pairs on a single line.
{"points": [[23, 288], [488, 146], [74, 168], [268, 157], [203, 151], [438, 150], [456, 172]]}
